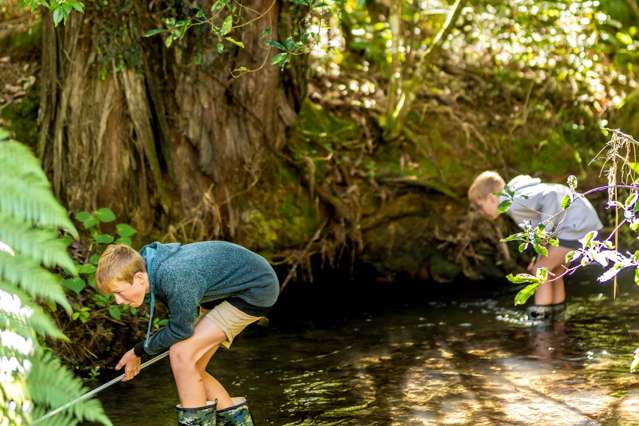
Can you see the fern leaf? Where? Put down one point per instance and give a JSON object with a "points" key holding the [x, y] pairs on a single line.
{"points": [[26, 198], [51, 384], [40, 244], [32, 278], [13, 152], [29, 214], [38, 321]]}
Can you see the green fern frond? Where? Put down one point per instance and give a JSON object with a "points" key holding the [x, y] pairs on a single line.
{"points": [[29, 217], [13, 152], [52, 385], [61, 419], [18, 326], [39, 321], [40, 244], [25, 197], [36, 281]]}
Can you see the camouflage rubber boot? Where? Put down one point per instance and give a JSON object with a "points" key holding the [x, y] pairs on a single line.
{"points": [[199, 416], [540, 313], [559, 311], [237, 414]]}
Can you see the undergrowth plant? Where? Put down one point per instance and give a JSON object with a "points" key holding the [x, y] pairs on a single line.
{"points": [[94, 314], [33, 381], [83, 288], [622, 171]]}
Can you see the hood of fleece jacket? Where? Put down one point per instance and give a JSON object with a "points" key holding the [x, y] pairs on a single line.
{"points": [[522, 181], [154, 254]]}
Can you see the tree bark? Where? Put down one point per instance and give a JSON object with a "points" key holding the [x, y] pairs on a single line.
{"points": [[130, 124]]}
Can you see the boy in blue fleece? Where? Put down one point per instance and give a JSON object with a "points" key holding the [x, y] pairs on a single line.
{"points": [[232, 285]]}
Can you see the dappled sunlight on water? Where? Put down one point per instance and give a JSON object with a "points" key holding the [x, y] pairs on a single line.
{"points": [[478, 363]]}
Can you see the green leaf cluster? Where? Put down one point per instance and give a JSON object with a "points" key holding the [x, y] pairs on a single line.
{"points": [[30, 223], [101, 230]]}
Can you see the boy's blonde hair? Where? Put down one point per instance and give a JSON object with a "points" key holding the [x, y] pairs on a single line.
{"points": [[119, 262], [485, 184]]}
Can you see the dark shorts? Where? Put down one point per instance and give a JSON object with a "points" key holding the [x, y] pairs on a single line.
{"points": [[571, 244], [247, 308]]}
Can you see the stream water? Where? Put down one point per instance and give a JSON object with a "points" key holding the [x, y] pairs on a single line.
{"points": [[468, 361]]}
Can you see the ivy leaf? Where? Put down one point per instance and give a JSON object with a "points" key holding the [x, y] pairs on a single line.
{"points": [[276, 44], [522, 278], [105, 215], [504, 206], [125, 230], [115, 312], [87, 268], [522, 247], [218, 5], [103, 239], [74, 284], [585, 241], [540, 250], [235, 42], [154, 31], [572, 255], [525, 293], [266, 32], [58, 15], [542, 275], [124, 240], [87, 219], [280, 58], [76, 5], [227, 25]]}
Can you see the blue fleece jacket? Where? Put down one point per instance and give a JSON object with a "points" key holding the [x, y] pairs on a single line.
{"points": [[185, 276]]}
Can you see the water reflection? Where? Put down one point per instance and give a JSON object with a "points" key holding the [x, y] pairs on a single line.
{"points": [[474, 363]]}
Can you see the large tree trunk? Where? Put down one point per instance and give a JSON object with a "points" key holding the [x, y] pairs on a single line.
{"points": [[130, 124]]}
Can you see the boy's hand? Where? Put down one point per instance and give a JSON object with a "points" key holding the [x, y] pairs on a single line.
{"points": [[131, 363]]}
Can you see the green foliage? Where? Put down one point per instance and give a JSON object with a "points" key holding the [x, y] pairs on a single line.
{"points": [[100, 230], [535, 281], [60, 9], [30, 219]]}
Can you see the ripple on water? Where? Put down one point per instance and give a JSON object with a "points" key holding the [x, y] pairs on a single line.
{"points": [[478, 363]]}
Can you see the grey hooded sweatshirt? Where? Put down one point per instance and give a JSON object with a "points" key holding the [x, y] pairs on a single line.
{"points": [[183, 277], [536, 202]]}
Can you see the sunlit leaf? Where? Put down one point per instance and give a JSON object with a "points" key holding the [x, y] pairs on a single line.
{"points": [[74, 284], [125, 230], [226, 25], [103, 239], [525, 293]]}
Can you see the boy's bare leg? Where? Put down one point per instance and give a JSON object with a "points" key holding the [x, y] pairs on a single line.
{"points": [[554, 262], [184, 356], [558, 290], [213, 388]]}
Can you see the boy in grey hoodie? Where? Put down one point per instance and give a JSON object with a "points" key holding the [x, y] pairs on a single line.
{"points": [[233, 286], [536, 202]]}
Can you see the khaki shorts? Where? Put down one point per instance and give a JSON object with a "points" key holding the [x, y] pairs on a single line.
{"points": [[230, 319]]}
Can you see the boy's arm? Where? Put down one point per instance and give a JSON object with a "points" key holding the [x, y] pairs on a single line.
{"points": [[183, 302]]}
